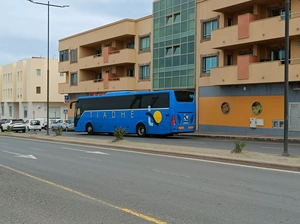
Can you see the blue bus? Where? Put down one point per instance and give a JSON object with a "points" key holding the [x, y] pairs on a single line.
{"points": [[164, 112]]}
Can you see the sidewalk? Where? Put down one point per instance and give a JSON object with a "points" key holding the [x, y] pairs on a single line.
{"points": [[243, 137], [225, 156]]}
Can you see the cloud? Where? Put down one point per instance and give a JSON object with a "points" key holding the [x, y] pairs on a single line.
{"points": [[24, 25]]}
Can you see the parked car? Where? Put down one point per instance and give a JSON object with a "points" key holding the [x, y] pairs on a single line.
{"points": [[33, 124], [60, 123], [15, 124], [70, 127]]}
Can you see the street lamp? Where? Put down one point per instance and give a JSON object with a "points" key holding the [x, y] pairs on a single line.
{"points": [[48, 5], [286, 78]]}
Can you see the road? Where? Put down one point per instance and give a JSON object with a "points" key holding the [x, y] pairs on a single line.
{"points": [[224, 144], [44, 182]]}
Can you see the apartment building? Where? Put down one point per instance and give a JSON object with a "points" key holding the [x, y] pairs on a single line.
{"points": [[114, 57], [24, 89], [241, 71], [230, 52]]}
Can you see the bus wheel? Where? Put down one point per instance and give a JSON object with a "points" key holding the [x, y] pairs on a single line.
{"points": [[89, 129], [141, 130]]}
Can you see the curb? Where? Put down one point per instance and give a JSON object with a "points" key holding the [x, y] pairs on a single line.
{"points": [[176, 154], [253, 138]]}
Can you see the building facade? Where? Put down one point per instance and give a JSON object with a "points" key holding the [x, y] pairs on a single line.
{"points": [[230, 52], [174, 44], [241, 54], [115, 57], [24, 89]]}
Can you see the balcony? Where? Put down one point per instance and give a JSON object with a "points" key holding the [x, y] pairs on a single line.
{"points": [[64, 66], [83, 86], [112, 84], [111, 57], [122, 83], [257, 31], [123, 56], [90, 62], [260, 72], [231, 6]]}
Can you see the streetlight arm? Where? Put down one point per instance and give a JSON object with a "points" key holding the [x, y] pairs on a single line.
{"points": [[40, 3]]}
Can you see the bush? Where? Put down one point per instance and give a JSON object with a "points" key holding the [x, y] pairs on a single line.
{"points": [[238, 147], [58, 131], [9, 128], [119, 133]]}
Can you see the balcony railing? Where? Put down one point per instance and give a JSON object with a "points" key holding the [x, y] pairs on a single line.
{"points": [[259, 31], [260, 72]]}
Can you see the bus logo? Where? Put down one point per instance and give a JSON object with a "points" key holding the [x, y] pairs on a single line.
{"points": [[156, 117], [186, 117]]}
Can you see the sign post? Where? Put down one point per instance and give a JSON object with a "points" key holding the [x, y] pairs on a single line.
{"points": [[67, 99], [65, 113]]}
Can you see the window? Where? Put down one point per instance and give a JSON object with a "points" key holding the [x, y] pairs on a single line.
{"points": [[145, 43], [74, 79], [229, 60], [279, 124], [130, 72], [229, 21], [207, 26], [225, 108], [61, 74], [38, 90], [168, 51], [209, 62], [176, 49], [10, 111], [144, 72], [169, 20], [38, 72], [2, 110], [25, 109], [176, 17], [130, 45], [64, 55], [256, 108], [73, 56], [98, 53], [98, 76]]}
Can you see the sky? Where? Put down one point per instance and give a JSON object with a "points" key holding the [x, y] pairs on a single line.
{"points": [[23, 25]]}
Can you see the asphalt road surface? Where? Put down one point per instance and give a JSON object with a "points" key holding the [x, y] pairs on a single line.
{"points": [[226, 144], [43, 182]]}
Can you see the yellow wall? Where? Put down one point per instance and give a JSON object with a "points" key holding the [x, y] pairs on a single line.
{"points": [[240, 110]]}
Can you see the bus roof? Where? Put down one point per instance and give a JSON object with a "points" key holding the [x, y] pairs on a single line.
{"points": [[125, 93]]}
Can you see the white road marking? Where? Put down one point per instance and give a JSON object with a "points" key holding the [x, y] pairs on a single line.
{"points": [[175, 157], [98, 160], [37, 149], [90, 152], [173, 174], [20, 155], [275, 148]]}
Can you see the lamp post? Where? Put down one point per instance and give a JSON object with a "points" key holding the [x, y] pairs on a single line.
{"points": [[48, 70], [286, 78]]}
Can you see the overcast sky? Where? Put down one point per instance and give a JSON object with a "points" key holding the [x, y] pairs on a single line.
{"points": [[23, 25]]}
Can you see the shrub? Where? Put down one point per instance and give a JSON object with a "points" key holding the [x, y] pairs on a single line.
{"points": [[9, 128], [58, 131], [238, 147], [119, 133]]}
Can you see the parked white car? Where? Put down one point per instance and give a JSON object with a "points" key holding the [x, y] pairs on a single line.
{"points": [[61, 123], [33, 124], [15, 124]]}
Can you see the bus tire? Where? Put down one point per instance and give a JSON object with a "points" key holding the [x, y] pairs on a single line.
{"points": [[141, 130], [89, 129]]}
